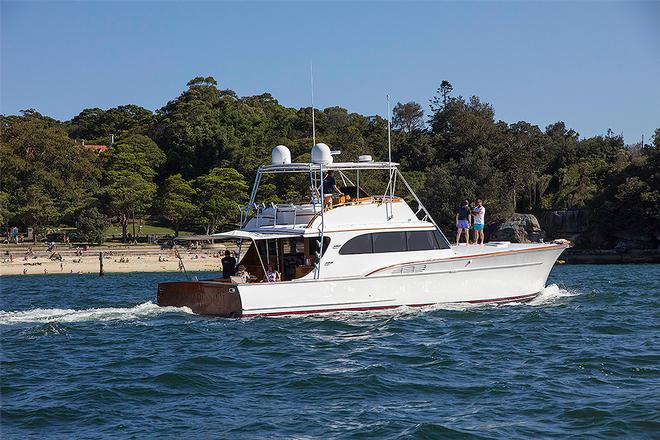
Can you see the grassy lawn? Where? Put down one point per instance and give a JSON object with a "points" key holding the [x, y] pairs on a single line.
{"points": [[146, 229]]}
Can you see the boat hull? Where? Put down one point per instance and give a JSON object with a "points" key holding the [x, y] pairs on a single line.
{"points": [[495, 277], [202, 297]]}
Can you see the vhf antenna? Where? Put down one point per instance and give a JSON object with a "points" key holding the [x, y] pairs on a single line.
{"points": [[389, 129], [311, 77], [392, 181]]}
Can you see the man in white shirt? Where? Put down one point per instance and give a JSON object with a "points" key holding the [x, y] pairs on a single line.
{"points": [[478, 215]]}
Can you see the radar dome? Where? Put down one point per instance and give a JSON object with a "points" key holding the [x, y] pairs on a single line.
{"points": [[321, 154], [281, 155]]}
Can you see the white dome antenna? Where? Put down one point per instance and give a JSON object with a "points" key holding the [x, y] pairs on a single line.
{"points": [[321, 154], [280, 155]]}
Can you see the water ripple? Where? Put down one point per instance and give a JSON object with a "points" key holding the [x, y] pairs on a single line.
{"points": [[96, 358]]}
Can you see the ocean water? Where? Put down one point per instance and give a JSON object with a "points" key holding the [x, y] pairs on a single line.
{"points": [[90, 357]]}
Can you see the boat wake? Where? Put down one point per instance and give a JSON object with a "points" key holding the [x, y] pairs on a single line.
{"points": [[144, 310], [551, 295]]}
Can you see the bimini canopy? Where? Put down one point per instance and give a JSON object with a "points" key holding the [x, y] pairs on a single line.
{"points": [[238, 234]]}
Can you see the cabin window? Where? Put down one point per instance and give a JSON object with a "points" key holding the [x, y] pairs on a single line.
{"points": [[421, 241], [394, 242], [357, 245], [389, 242], [441, 240], [313, 244]]}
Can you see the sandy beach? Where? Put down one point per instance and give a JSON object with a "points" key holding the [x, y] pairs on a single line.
{"points": [[116, 259]]}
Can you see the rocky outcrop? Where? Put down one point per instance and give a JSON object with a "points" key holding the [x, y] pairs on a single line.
{"points": [[518, 228]]}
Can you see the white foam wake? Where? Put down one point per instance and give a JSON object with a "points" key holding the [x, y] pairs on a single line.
{"points": [[551, 294], [144, 310]]}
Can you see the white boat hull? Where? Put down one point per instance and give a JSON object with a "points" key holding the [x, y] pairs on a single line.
{"points": [[501, 276]]}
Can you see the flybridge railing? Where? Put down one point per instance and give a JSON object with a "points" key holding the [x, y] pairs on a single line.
{"points": [[264, 217]]}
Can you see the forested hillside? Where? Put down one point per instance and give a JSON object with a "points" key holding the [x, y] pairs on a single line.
{"points": [[189, 164]]}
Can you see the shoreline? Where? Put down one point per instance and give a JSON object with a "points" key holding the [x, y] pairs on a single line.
{"points": [[145, 258], [115, 260]]}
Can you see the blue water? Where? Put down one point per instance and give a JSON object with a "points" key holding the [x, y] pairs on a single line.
{"points": [[84, 356]]}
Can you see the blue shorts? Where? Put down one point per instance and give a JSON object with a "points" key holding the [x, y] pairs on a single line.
{"points": [[478, 226], [463, 224]]}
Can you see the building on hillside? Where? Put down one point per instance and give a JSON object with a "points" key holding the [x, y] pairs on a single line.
{"points": [[94, 147]]}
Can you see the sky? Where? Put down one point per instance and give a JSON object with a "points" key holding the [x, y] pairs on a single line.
{"points": [[593, 65]]}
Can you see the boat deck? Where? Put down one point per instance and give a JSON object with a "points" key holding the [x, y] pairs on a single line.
{"points": [[463, 250]]}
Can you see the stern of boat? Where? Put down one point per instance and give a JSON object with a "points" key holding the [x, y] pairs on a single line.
{"points": [[202, 297]]}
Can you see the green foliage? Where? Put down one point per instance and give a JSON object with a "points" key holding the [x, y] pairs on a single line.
{"points": [[4, 207], [47, 176], [98, 124], [127, 194], [219, 196], [200, 149], [175, 202], [443, 193], [408, 117], [34, 207], [91, 225], [136, 153]]}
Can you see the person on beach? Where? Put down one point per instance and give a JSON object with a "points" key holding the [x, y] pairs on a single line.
{"points": [[478, 215], [228, 265], [463, 219], [272, 275]]}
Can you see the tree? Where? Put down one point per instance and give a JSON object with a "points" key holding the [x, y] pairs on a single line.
{"points": [[194, 131], [95, 124], [220, 193], [442, 96], [461, 126], [136, 153], [408, 117], [175, 202], [127, 193], [34, 207], [91, 225], [40, 164], [4, 208], [440, 196]]}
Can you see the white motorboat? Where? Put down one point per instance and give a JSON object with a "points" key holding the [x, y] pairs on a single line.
{"points": [[377, 252]]}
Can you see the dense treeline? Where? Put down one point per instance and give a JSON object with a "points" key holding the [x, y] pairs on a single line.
{"points": [[190, 163]]}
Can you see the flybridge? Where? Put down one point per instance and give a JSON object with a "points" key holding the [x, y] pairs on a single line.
{"points": [[256, 216], [338, 166]]}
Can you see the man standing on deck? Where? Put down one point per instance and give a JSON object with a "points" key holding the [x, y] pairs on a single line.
{"points": [[329, 187], [478, 215], [228, 265], [463, 219]]}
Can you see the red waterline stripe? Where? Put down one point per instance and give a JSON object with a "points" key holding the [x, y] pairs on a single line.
{"points": [[511, 298], [363, 309]]}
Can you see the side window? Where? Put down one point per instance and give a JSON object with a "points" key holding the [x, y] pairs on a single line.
{"points": [[421, 241], [390, 242], [314, 245], [357, 245], [442, 241]]}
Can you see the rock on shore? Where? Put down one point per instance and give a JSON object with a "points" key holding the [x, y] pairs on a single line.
{"points": [[519, 228]]}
